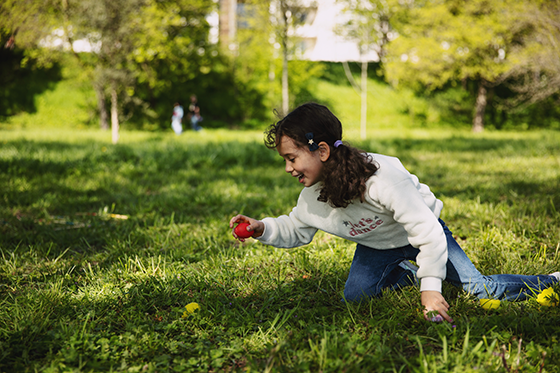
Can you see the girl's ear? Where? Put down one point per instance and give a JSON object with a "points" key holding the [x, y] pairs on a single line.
{"points": [[324, 151]]}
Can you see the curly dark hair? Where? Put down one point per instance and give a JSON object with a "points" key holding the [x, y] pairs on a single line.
{"points": [[346, 171]]}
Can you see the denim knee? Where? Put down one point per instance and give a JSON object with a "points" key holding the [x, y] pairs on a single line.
{"points": [[357, 294], [353, 296]]}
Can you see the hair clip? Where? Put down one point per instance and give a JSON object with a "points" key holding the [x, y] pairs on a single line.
{"points": [[312, 144], [337, 143]]}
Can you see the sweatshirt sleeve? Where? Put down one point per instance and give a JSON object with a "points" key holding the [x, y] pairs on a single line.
{"points": [[287, 231], [421, 225]]}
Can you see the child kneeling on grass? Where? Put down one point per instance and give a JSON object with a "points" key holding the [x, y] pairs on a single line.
{"points": [[373, 200]]}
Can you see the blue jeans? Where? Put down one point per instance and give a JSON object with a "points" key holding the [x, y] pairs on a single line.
{"points": [[195, 119], [373, 270]]}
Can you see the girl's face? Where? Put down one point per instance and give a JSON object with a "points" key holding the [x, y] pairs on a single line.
{"points": [[302, 163]]}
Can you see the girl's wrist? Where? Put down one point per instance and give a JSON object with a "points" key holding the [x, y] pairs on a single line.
{"points": [[259, 232]]}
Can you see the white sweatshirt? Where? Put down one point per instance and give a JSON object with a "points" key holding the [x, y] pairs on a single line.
{"points": [[398, 210]]}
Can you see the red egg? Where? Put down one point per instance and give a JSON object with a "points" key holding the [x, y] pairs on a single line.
{"points": [[242, 232]]}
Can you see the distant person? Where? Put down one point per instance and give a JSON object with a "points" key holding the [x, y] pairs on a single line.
{"points": [[177, 118], [373, 200], [194, 114]]}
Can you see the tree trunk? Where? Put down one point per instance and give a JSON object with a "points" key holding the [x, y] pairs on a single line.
{"points": [[114, 115], [285, 87], [478, 121], [103, 117], [363, 119]]}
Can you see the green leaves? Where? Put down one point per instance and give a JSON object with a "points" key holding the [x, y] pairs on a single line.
{"points": [[449, 40]]}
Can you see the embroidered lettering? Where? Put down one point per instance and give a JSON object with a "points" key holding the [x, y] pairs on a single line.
{"points": [[363, 226]]}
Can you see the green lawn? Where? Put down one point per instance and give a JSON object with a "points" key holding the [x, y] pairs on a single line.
{"points": [[103, 246]]}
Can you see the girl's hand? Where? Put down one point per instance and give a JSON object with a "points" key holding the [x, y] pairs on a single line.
{"points": [[256, 226], [434, 301]]}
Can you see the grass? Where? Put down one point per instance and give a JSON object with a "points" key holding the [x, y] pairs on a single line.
{"points": [[386, 107], [103, 246], [389, 109]]}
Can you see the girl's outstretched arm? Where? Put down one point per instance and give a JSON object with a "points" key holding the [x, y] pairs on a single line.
{"points": [[256, 226], [434, 301]]}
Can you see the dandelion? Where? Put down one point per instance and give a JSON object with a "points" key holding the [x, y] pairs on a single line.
{"points": [[190, 309], [548, 297], [490, 304]]}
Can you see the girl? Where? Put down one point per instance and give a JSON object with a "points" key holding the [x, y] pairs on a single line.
{"points": [[373, 200]]}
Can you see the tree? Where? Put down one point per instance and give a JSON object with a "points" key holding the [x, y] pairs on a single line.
{"points": [[143, 46], [140, 47], [278, 20], [25, 68], [286, 16], [172, 47], [536, 75], [111, 25], [369, 24], [267, 41], [29, 23], [451, 40], [252, 56]]}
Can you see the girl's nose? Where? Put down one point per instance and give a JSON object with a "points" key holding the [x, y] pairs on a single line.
{"points": [[289, 168]]}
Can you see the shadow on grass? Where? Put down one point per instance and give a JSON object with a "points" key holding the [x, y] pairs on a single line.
{"points": [[149, 183], [491, 185], [460, 144], [139, 321], [159, 182]]}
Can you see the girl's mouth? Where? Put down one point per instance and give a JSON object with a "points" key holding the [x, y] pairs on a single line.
{"points": [[300, 178]]}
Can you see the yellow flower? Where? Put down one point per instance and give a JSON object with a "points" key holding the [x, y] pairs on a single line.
{"points": [[548, 297], [191, 307], [490, 304]]}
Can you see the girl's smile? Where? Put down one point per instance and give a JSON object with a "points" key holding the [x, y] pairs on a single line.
{"points": [[301, 162]]}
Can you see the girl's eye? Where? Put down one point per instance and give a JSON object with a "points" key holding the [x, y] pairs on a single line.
{"points": [[292, 160]]}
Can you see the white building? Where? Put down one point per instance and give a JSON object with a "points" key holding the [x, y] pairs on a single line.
{"points": [[318, 40]]}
